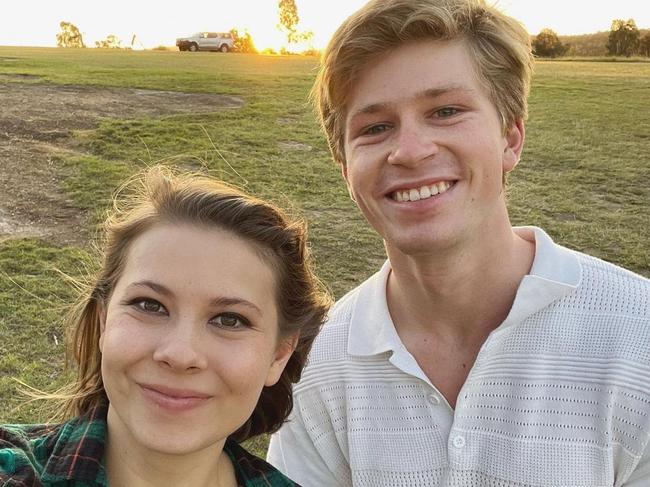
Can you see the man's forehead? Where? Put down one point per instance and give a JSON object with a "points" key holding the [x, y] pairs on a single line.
{"points": [[418, 69], [428, 93]]}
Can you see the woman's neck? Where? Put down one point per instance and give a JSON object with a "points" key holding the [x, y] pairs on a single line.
{"points": [[130, 464]]}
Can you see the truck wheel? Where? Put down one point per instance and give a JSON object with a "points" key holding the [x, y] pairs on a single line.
{"points": [[224, 48], [194, 47]]}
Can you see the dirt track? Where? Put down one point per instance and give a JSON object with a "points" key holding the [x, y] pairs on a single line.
{"points": [[37, 121]]}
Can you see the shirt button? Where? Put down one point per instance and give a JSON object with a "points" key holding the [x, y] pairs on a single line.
{"points": [[458, 441], [433, 399]]}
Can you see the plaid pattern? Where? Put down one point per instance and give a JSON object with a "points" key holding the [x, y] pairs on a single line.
{"points": [[253, 471], [70, 454]]}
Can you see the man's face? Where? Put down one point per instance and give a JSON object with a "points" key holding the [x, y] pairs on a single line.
{"points": [[425, 148]]}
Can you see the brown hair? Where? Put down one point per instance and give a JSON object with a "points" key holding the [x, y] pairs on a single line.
{"points": [[499, 44], [157, 195]]}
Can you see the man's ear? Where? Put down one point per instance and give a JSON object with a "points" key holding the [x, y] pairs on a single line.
{"points": [[514, 145], [283, 353], [344, 171]]}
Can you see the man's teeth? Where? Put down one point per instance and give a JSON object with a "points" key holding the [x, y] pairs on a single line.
{"points": [[423, 192]]}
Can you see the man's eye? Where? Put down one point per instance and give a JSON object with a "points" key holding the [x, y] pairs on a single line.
{"points": [[375, 129], [230, 321], [446, 112], [148, 305]]}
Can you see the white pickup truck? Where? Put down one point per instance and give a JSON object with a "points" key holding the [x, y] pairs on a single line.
{"points": [[206, 41]]}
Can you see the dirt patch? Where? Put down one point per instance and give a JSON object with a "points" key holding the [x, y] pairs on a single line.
{"points": [[293, 145], [289, 120], [36, 122]]}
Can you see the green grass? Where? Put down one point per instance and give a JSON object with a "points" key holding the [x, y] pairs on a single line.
{"points": [[34, 295], [583, 176]]}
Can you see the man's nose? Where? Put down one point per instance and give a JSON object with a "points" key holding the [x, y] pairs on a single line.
{"points": [[413, 144]]}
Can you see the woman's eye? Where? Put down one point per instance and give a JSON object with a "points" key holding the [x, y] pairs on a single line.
{"points": [[149, 306], [230, 321]]}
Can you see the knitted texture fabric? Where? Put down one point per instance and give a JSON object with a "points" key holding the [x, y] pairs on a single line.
{"points": [[559, 394]]}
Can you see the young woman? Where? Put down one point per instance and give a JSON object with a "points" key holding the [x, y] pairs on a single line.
{"points": [[188, 342]]}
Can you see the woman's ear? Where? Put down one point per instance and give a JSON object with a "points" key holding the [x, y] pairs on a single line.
{"points": [[283, 353], [101, 311]]}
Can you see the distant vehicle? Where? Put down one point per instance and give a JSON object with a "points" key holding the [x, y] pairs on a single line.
{"points": [[206, 41]]}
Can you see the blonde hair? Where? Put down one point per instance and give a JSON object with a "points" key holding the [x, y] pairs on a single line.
{"points": [[499, 45], [159, 196]]}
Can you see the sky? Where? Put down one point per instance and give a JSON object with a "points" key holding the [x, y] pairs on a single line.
{"points": [[160, 22]]}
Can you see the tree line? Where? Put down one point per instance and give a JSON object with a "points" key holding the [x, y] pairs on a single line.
{"points": [[624, 39], [288, 21]]}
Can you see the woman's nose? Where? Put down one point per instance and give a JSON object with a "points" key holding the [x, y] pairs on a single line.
{"points": [[180, 347]]}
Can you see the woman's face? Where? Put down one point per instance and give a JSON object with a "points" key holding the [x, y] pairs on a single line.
{"points": [[189, 338]]}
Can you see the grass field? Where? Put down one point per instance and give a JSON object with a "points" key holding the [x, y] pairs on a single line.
{"points": [[583, 177]]}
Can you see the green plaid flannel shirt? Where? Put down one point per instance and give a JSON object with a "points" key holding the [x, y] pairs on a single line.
{"points": [[70, 454]]}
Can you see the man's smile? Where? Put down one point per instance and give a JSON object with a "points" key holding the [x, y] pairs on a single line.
{"points": [[421, 193]]}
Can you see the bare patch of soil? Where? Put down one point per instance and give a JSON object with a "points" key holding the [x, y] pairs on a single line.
{"points": [[296, 146], [36, 122]]}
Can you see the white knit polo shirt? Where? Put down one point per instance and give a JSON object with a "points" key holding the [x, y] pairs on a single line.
{"points": [[559, 394]]}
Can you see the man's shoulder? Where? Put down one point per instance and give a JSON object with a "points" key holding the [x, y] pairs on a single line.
{"points": [[331, 360], [331, 342], [606, 287], [604, 319]]}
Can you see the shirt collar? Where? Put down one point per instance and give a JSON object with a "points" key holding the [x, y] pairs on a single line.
{"points": [[371, 327], [555, 272]]}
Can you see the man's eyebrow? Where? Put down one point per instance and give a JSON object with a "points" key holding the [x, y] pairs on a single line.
{"points": [[436, 92], [216, 302], [428, 93]]}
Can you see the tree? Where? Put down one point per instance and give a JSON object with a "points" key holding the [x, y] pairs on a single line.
{"points": [[288, 12], [243, 42], [548, 44], [623, 38], [644, 45], [69, 36], [111, 42]]}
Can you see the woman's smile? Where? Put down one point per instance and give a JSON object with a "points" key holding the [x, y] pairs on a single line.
{"points": [[174, 400]]}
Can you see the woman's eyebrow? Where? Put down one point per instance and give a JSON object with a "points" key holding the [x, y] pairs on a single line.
{"points": [[230, 301], [159, 288], [219, 301]]}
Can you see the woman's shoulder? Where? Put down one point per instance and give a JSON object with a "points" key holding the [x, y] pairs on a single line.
{"points": [[252, 471], [36, 454], [25, 448]]}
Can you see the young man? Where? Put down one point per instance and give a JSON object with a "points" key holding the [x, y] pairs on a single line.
{"points": [[480, 354]]}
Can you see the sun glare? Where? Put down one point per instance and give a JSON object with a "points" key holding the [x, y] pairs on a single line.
{"points": [[267, 37]]}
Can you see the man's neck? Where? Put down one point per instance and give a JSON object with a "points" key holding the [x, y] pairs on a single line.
{"points": [[459, 293], [444, 305]]}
